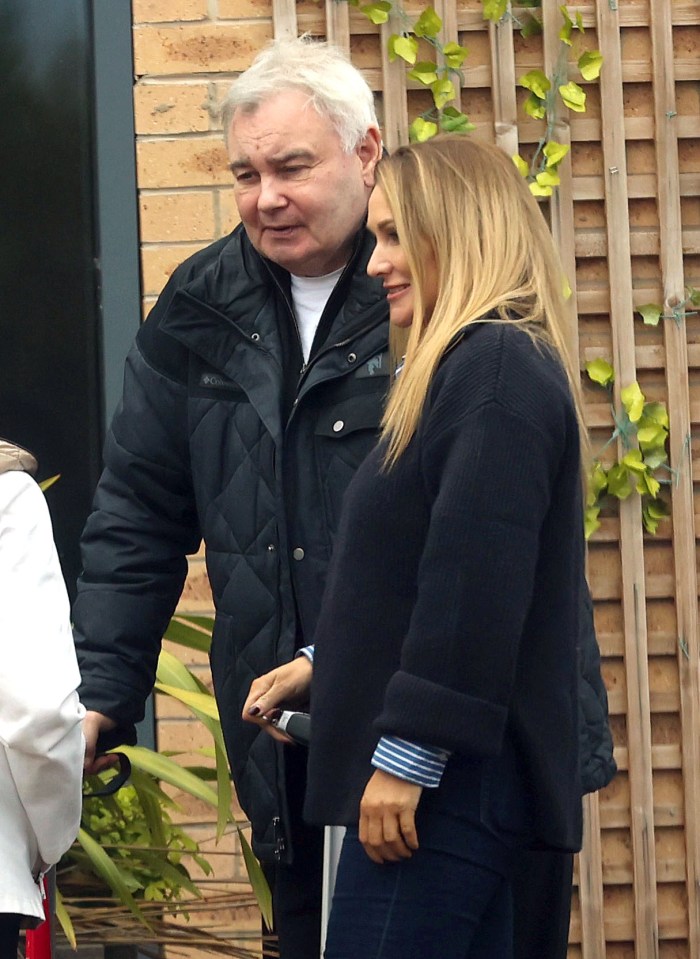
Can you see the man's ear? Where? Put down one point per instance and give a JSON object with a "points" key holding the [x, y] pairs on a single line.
{"points": [[370, 152]]}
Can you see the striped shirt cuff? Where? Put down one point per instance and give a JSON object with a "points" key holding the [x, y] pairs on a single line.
{"points": [[422, 765], [307, 651]]}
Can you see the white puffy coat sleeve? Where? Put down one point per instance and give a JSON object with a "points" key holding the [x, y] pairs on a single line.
{"points": [[40, 713]]}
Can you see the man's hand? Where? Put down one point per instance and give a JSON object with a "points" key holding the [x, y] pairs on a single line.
{"points": [[94, 724], [387, 817], [286, 686]]}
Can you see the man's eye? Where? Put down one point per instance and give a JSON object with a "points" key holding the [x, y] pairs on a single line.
{"points": [[292, 170], [245, 177]]}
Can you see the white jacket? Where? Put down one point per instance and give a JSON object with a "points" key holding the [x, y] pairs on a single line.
{"points": [[41, 740]]}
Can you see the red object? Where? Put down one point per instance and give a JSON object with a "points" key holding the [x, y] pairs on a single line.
{"points": [[39, 939]]}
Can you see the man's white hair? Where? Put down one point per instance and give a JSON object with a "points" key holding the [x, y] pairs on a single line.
{"points": [[336, 89]]}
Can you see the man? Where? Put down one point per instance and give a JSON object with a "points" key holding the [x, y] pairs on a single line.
{"points": [[253, 391]]}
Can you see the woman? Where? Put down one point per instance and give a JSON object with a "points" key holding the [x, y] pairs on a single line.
{"points": [[41, 740], [444, 696]]}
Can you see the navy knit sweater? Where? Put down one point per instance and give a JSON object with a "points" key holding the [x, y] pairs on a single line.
{"points": [[451, 611]]}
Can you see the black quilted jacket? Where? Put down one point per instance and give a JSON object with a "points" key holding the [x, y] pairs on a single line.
{"points": [[219, 438]]}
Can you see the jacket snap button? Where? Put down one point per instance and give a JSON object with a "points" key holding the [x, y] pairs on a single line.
{"points": [[352, 357], [338, 425], [255, 337], [271, 547], [298, 553]]}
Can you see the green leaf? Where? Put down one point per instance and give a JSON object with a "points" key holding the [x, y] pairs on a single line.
{"points": [[193, 632], [579, 22], [633, 461], [111, 873], [425, 71], [261, 890], [521, 165], [534, 107], [202, 702], [163, 768], [653, 511], [694, 296], [590, 520], [566, 290], [378, 12], [651, 313], [548, 178], [655, 413], [48, 483], [651, 436], [428, 24], [64, 920], [443, 91], [454, 121], [573, 96], [404, 47], [633, 400], [590, 63], [655, 457], [530, 26], [555, 152], [600, 371], [537, 82], [649, 485], [421, 130], [619, 481], [454, 55], [494, 10], [597, 481], [538, 190], [566, 30]]}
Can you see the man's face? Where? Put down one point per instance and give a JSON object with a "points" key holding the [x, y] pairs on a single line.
{"points": [[300, 197]]}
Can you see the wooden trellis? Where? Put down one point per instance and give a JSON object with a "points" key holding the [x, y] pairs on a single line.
{"points": [[627, 223]]}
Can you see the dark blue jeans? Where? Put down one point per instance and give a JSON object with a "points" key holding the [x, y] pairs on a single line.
{"points": [[435, 905]]}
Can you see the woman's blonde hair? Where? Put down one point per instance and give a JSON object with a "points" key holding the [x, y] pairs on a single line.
{"points": [[462, 209]]}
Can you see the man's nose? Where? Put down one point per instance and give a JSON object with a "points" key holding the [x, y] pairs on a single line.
{"points": [[271, 196]]}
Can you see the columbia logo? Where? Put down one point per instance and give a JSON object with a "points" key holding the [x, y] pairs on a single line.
{"points": [[374, 366], [214, 379]]}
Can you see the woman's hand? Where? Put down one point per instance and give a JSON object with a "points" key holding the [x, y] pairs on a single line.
{"points": [[387, 817], [286, 686]]}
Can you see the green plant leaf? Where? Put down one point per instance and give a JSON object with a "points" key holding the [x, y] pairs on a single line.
{"points": [[443, 91], [64, 920], [111, 873], [536, 81], [655, 457], [597, 482], [651, 436], [404, 47], [694, 296], [633, 461], [555, 152], [163, 768], [422, 129], [590, 520], [534, 107], [655, 413], [650, 313], [193, 632], [619, 484], [48, 483], [202, 702], [454, 55], [538, 190], [425, 71], [454, 121], [567, 28], [261, 890], [378, 12], [633, 400], [494, 10], [573, 96], [600, 371], [650, 484], [590, 63], [428, 24], [566, 290], [653, 511], [530, 26], [521, 165], [548, 178]]}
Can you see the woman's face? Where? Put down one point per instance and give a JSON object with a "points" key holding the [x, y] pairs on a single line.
{"points": [[389, 262]]}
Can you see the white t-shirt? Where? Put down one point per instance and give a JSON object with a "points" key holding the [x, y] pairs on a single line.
{"points": [[310, 295]]}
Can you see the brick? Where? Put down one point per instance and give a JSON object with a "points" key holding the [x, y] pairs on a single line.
{"points": [[184, 737], [228, 211], [158, 262], [169, 217], [167, 108], [170, 162], [195, 48], [245, 9], [157, 11]]}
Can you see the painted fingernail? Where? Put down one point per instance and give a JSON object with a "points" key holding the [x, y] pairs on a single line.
{"points": [[254, 710]]}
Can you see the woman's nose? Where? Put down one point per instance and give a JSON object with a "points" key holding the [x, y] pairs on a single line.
{"points": [[377, 265]]}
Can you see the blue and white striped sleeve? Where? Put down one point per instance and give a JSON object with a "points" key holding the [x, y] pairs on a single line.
{"points": [[422, 765], [307, 651]]}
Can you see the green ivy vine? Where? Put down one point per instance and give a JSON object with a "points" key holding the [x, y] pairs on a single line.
{"points": [[642, 428], [651, 313]]}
